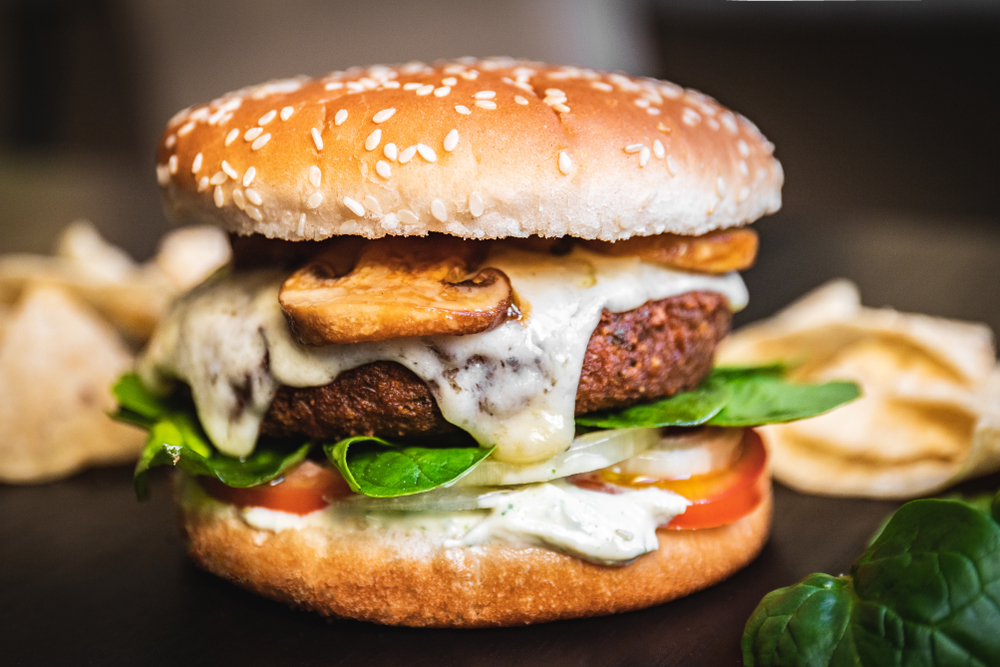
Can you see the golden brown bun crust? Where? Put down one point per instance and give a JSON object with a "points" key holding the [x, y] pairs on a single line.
{"points": [[544, 150], [411, 581]]}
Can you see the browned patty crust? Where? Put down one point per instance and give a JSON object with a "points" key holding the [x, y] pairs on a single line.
{"points": [[661, 348]]}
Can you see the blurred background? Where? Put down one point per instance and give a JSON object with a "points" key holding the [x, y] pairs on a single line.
{"points": [[883, 113]]}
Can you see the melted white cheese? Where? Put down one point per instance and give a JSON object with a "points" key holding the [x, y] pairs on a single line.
{"points": [[594, 526], [513, 387]]}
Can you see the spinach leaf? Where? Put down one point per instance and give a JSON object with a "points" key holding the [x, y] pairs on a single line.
{"points": [[926, 592], [381, 469], [732, 396], [176, 439], [690, 408]]}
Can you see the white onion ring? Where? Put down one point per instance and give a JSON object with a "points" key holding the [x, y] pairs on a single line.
{"points": [[680, 455]]}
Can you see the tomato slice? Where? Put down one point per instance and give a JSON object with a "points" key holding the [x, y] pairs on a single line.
{"points": [[717, 499], [307, 488]]}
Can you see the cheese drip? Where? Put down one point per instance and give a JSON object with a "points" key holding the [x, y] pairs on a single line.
{"points": [[513, 387]]}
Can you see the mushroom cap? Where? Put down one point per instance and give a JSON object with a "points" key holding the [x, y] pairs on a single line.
{"points": [[471, 148]]}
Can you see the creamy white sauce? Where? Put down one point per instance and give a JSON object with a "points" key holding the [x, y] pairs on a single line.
{"points": [[513, 387], [594, 526]]}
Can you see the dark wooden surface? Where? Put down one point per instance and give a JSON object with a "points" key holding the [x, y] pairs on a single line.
{"points": [[88, 576]]}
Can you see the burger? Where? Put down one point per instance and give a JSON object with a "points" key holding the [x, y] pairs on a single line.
{"points": [[460, 372]]}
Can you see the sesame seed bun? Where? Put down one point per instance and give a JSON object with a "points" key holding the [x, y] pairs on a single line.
{"points": [[475, 149], [414, 579]]}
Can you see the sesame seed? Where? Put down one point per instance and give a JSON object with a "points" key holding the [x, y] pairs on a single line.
{"points": [[462, 109], [259, 143], [729, 122], [560, 107], [761, 173], [220, 196], [203, 184], [355, 86], [439, 211], [407, 154], [408, 217], [476, 207], [196, 165], [520, 100], [690, 117], [600, 85], [334, 85], [317, 139], [254, 213], [555, 92], [287, 112], [383, 169], [427, 153], [425, 90], [373, 140], [633, 148], [413, 85], [231, 137], [470, 75], [253, 133], [743, 168], [658, 149], [267, 118], [642, 102], [451, 140], [384, 115], [643, 156], [315, 176], [391, 84], [450, 81], [162, 174], [185, 128], [485, 95], [442, 91], [720, 186], [663, 128], [671, 165], [565, 163], [170, 141], [315, 199], [714, 124], [248, 176], [355, 207], [340, 117], [743, 148], [172, 164], [390, 151], [486, 104], [554, 99], [253, 197], [230, 172], [218, 178], [372, 205], [743, 194], [239, 199]]}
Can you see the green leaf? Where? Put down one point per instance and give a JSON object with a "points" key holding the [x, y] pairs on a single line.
{"points": [[768, 399], [690, 408], [381, 469], [177, 439], [732, 396], [926, 592]]}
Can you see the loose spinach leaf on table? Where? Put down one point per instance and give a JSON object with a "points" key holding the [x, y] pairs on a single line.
{"points": [[176, 439], [381, 469], [733, 396], [926, 592]]}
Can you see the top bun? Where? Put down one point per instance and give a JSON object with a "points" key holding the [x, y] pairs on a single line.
{"points": [[472, 148]]}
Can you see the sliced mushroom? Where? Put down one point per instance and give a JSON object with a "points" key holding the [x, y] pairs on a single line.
{"points": [[397, 288], [715, 252]]}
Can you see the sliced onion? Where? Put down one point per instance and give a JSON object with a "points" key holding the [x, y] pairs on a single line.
{"points": [[592, 451], [690, 452], [439, 500]]}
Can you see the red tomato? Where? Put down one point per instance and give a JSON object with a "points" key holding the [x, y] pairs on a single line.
{"points": [[717, 499], [307, 488]]}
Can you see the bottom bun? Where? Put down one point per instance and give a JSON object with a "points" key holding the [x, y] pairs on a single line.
{"points": [[414, 579]]}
